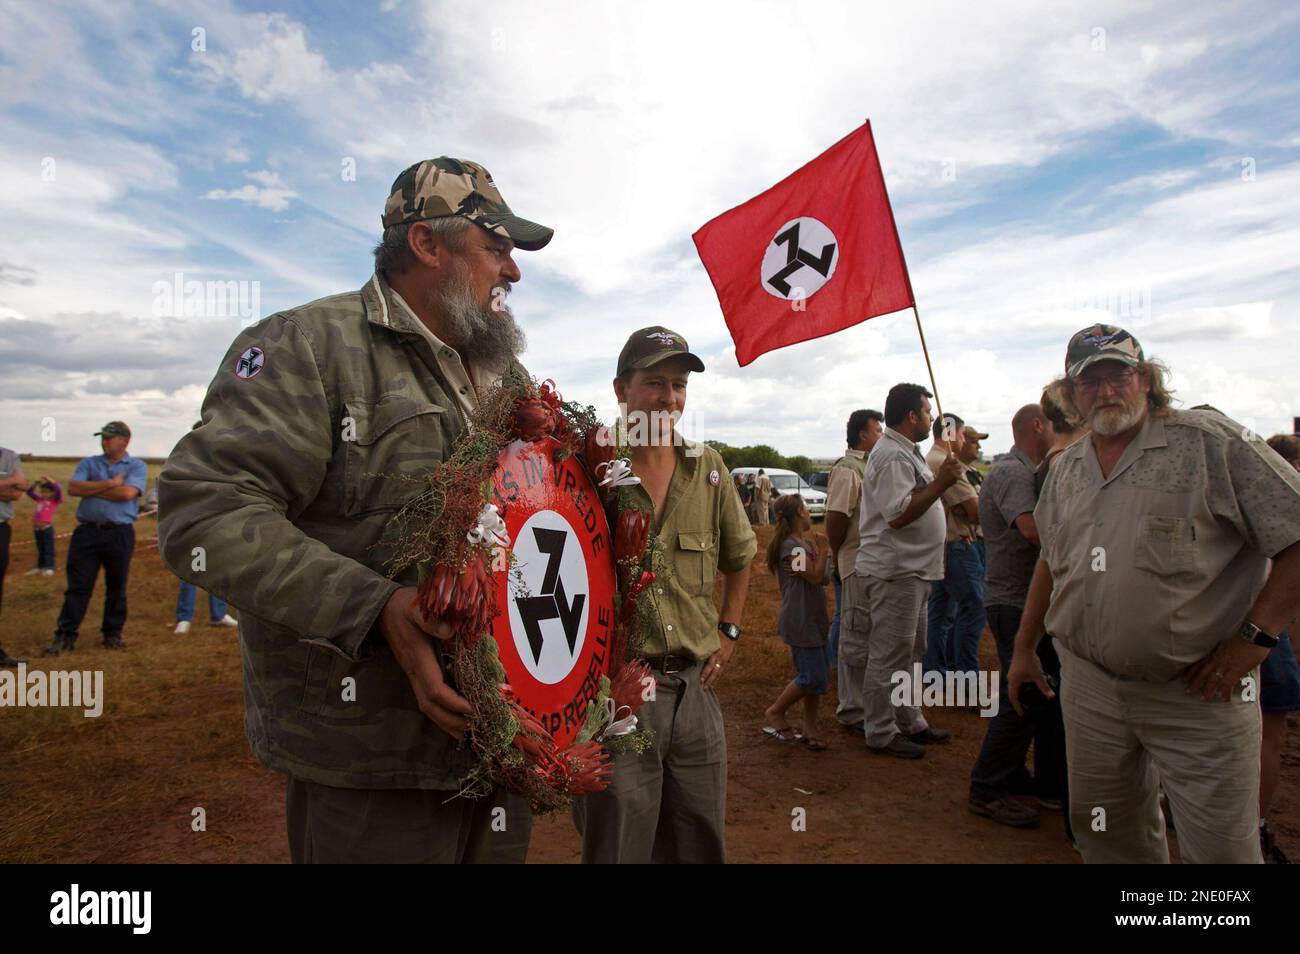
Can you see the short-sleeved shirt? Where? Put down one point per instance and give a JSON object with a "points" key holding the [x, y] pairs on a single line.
{"points": [[702, 529], [958, 527], [802, 622], [9, 462], [844, 495], [1007, 493], [1157, 564], [98, 510], [763, 487], [895, 471]]}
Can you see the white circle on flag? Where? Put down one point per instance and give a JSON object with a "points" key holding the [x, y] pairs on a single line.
{"points": [[800, 259], [548, 616]]}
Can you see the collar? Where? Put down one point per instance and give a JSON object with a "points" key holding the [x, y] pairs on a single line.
{"points": [[691, 460], [854, 452], [905, 441], [1021, 456], [1150, 436], [385, 307]]}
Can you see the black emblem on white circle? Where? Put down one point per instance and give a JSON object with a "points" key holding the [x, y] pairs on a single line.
{"points": [[800, 259], [250, 362], [549, 621]]}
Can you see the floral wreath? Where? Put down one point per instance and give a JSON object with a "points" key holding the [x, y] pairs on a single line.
{"points": [[454, 534]]}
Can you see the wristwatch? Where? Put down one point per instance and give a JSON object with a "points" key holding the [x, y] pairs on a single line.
{"points": [[732, 631], [1256, 636]]}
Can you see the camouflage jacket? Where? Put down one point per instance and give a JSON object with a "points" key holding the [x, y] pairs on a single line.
{"points": [[278, 502]]}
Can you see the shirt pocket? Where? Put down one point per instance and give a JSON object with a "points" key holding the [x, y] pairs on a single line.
{"points": [[1164, 546], [394, 445], [697, 561]]}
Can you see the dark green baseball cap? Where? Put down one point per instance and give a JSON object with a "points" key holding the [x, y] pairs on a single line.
{"points": [[114, 429], [442, 187], [646, 347], [1101, 343]]}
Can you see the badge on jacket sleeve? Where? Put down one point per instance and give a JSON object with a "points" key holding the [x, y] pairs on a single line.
{"points": [[250, 362]]}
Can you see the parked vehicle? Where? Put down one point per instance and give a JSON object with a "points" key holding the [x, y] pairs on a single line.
{"points": [[818, 479], [788, 482]]}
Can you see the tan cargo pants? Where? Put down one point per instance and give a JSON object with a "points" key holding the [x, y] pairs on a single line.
{"points": [[667, 804], [1125, 739]]}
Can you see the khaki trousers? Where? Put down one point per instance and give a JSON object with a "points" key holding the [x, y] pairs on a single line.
{"points": [[330, 825], [761, 511], [855, 634], [668, 803], [897, 642], [1125, 739]]}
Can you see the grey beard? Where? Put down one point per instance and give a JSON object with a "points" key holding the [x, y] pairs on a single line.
{"points": [[1108, 423], [483, 336]]}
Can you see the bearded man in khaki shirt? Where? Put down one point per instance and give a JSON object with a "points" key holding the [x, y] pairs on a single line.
{"points": [[1154, 581]]}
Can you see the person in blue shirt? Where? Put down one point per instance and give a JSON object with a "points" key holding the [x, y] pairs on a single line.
{"points": [[109, 486]]}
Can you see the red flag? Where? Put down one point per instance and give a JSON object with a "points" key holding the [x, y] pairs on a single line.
{"points": [[816, 253]]}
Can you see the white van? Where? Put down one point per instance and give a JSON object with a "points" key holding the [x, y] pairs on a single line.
{"points": [[788, 482]]}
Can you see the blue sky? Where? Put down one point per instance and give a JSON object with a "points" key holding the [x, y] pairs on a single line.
{"points": [[1098, 157]]}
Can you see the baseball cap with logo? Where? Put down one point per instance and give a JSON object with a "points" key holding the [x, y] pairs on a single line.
{"points": [[114, 429], [646, 347], [1101, 343], [442, 187]]}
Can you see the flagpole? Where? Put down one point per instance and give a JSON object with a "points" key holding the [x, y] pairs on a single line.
{"points": [[938, 406], [928, 367]]}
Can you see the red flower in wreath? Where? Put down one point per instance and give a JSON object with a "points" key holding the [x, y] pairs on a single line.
{"points": [[631, 531], [462, 595], [534, 419], [588, 768]]}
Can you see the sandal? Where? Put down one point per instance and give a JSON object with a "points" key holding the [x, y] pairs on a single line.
{"points": [[813, 743], [787, 734]]}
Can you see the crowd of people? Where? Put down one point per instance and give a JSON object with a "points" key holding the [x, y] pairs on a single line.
{"points": [[109, 485], [1159, 548], [1139, 536]]}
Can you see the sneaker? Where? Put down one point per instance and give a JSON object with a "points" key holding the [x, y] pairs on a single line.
{"points": [[226, 620], [1051, 804], [33, 571], [47, 572], [900, 747], [182, 628], [1006, 811], [114, 642], [931, 736]]}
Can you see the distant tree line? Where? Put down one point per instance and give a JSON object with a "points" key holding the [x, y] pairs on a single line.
{"points": [[760, 455]]}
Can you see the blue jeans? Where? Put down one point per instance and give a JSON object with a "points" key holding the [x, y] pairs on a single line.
{"points": [[185, 604], [45, 547], [956, 612], [833, 641]]}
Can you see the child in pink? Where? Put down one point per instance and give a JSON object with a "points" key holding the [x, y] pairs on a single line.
{"points": [[48, 495]]}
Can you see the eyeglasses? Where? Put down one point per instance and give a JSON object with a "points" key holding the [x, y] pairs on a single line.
{"points": [[1118, 381]]}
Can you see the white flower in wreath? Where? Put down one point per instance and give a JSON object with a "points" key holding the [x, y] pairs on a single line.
{"points": [[618, 473], [490, 529]]}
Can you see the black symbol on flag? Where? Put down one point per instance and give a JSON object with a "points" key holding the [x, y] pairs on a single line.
{"points": [[796, 258], [552, 603]]}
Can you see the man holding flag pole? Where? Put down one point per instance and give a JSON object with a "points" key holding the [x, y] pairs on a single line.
{"points": [[815, 254]]}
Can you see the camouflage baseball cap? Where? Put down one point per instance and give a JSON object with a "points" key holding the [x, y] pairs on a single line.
{"points": [[646, 347], [114, 429], [1101, 343], [437, 188]]}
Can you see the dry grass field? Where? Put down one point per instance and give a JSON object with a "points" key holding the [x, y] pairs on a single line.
{"points": [[122, 787]]}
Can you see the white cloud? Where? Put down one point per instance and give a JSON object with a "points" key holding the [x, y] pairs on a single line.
{"points": [[274, 195]]}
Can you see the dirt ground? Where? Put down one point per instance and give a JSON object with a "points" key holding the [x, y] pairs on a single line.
{"points": [[124, 787]]}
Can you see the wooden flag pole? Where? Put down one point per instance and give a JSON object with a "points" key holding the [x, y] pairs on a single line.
{"points": [[938, 405]]}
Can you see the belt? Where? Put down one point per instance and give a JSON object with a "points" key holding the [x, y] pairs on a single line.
{"points": [[671, 663], [103, 526]]}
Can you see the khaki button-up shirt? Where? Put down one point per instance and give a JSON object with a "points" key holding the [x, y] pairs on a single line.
{"points": [[957, 524], [844, 495], [895, 471], [703, 529], [1155, 565]]}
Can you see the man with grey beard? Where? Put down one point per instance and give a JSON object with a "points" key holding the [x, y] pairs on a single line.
{"points": [[324, 420], [1154, 580]]}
